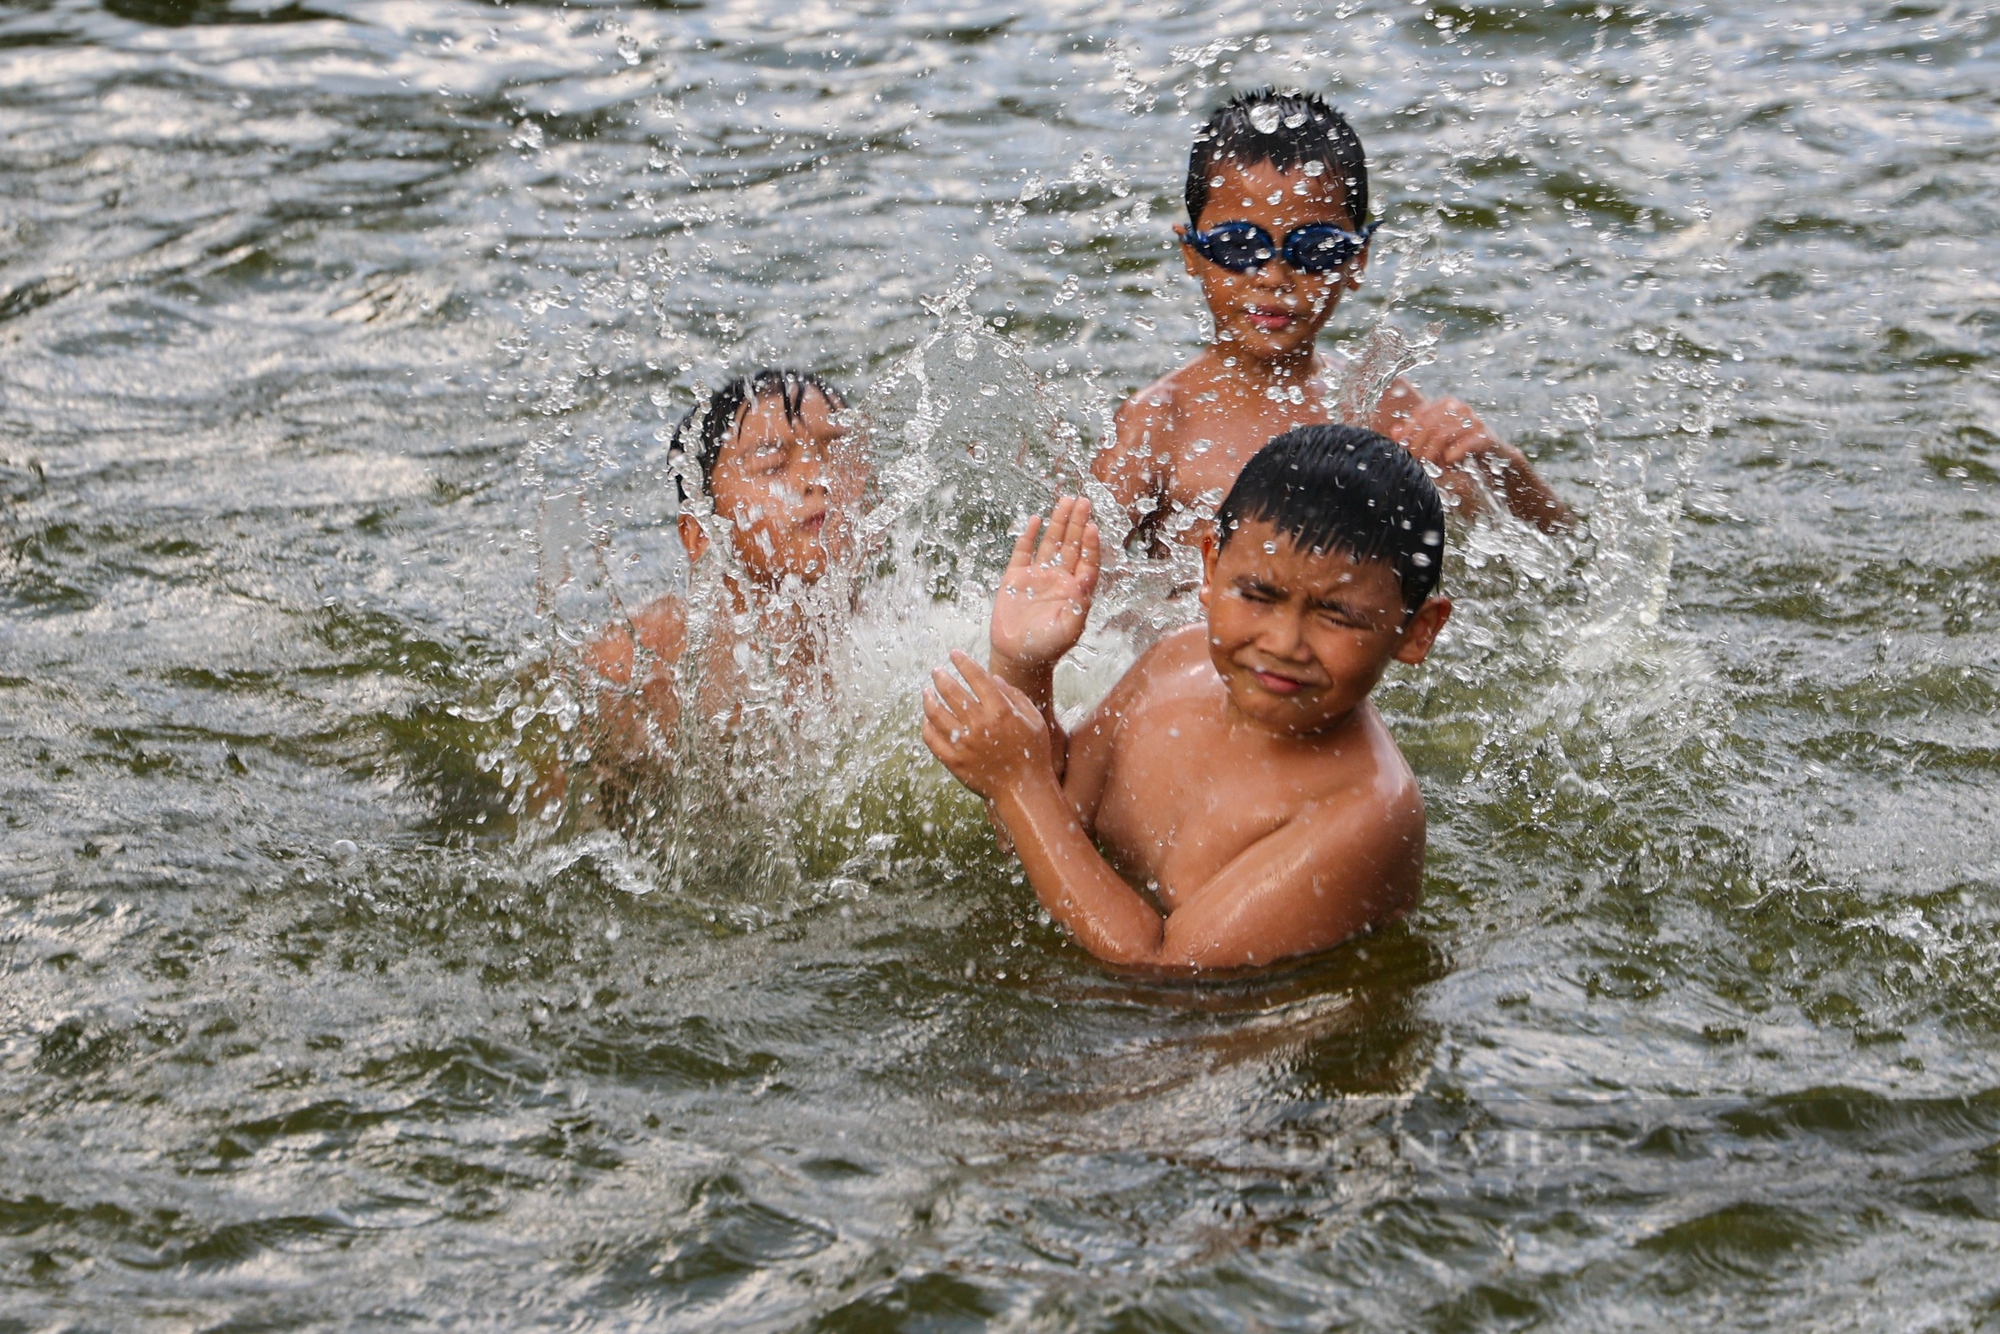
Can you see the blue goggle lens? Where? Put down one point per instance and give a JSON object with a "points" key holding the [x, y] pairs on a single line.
{"points": [[1242, 246]]}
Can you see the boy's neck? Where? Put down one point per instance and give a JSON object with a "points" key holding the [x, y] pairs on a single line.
{"points": [[1259, 373]]}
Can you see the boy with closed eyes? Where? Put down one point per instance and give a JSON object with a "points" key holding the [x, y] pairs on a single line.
{"points": [[786, 478], [1236, 799]]}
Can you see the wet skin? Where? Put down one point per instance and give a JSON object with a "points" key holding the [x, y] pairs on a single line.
{"points": [[1238, 770], [1182, 440], [786, 494]]}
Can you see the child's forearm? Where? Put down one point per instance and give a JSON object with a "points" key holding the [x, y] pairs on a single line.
{"points": [[1528, 497], [1069, 876], [1036, 680]]}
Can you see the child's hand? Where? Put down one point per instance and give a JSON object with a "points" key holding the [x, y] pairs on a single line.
{"points": [[1446, 432], [989, 734], [1469, 457], [1044, 598]]}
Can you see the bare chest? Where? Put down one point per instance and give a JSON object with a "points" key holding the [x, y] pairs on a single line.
{"points": [[1181, 802], [1212, 442]]}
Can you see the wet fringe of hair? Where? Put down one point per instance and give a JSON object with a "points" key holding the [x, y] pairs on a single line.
{"points": [[1345, 489], [702, 432], [1302, 128]]}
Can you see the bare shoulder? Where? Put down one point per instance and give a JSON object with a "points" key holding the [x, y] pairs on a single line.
{"points": [[1178, 665], [1176, 652], [1132, 460], [1156, 400], [1394, 413], [1367, 825], [1158, 670], [659, 629], [1172, 657], [1376, 782], [661, 626]]}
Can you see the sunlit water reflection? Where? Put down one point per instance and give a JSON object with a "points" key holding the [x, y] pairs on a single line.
{"points": [[341, 339]]}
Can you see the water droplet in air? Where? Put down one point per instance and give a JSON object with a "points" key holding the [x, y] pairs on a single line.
{"points": [[741, 98], [345, 849], [1265, 118], [1313, 168]]}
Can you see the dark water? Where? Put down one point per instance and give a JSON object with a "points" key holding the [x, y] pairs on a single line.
{"points": [[1697, 1023]]}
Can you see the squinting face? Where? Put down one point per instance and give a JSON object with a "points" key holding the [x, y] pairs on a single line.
{"points": [[789, 490], [1275, 310], [1300, 637]]}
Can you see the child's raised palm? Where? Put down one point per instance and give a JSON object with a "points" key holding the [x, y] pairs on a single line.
{"points": [[1044, 598]]}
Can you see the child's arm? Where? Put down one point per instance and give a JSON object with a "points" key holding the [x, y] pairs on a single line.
{"points": [[1446, 432], [1043, 604], [1336, 869], [632, 720], [637, 711], [1138, 462]]}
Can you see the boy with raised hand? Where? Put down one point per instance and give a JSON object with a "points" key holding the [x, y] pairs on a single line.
{"points": [[1238, 771], [1278, 232]]}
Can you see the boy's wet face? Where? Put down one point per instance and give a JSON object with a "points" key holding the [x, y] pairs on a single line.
{"points": [[789, 490], [1300, 637], [1276, 310]]}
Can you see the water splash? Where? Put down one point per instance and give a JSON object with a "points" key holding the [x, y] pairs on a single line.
{"points": [[1384, 356]]}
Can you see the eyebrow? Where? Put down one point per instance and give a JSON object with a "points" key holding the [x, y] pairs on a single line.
{"points": [[1342, 606]]}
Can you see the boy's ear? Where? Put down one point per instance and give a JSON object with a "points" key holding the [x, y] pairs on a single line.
{"points": [[1188, 253], [1357, 266], [693, 539], [1208, 552], [1422, 631]]}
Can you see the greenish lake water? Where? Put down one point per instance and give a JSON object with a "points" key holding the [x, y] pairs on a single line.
{"points": [[326, 329]]}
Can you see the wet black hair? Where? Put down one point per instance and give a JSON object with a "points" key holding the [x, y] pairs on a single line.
{"points": [[1286, 130], [703, 431], [1341, 488]]}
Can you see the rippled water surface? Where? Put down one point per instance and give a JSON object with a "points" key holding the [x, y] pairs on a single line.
{"points": [[324, 329]]}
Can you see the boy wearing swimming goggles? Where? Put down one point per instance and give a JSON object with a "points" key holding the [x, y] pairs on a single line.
{"points": [[1277, 195]]}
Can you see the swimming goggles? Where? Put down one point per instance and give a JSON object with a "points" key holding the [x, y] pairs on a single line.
{"points": [[1243, 246]]}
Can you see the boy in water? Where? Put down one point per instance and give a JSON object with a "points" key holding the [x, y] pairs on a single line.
{"points": [[1277, 200], [1238, 771], [787, 478]]}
